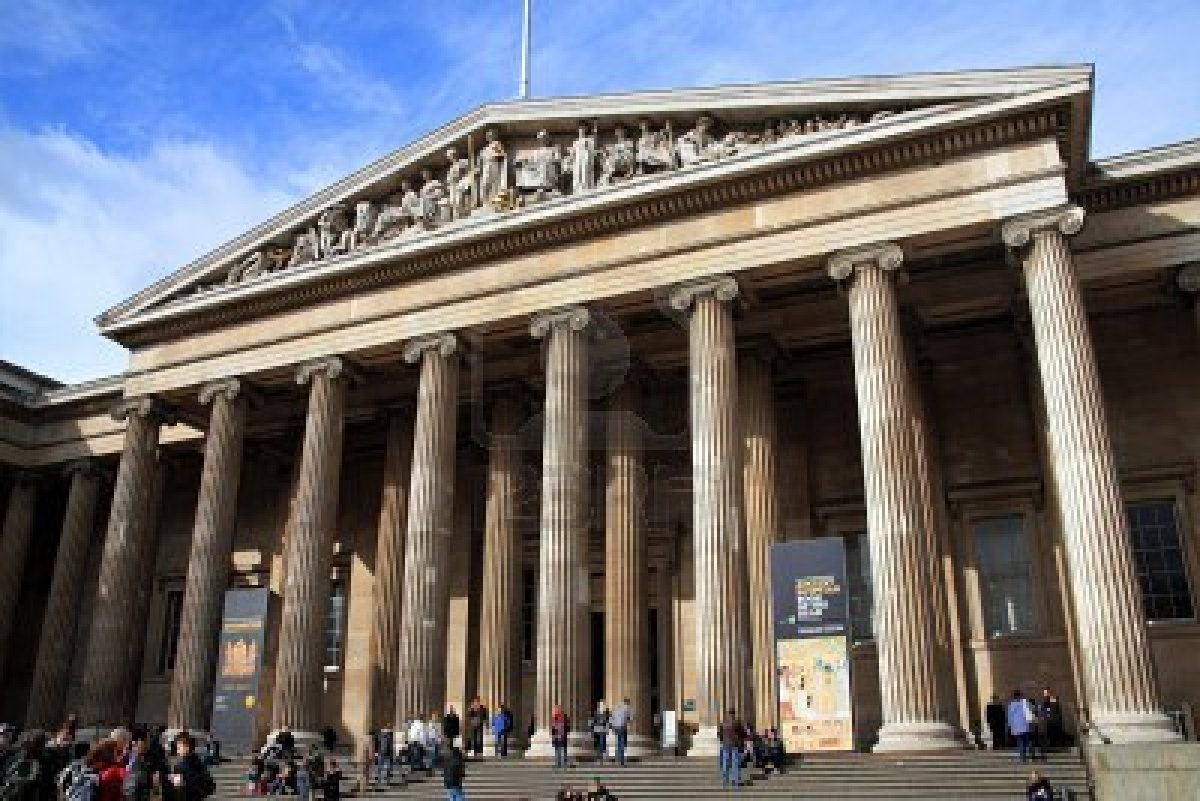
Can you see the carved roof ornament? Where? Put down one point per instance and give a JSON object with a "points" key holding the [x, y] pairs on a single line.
{"points": [[723, 287], [1018, 231], [887, 255]]}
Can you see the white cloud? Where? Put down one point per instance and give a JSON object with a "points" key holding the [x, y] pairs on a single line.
{"points": [[81, 229], [53, 32]]}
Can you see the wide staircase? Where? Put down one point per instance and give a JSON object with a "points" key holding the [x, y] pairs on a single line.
{"points": [[961, 775]]}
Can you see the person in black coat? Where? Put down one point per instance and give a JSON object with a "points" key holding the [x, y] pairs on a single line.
{"points": [[454, 771], [451, 726], [1039, 788], [190, 779], [997, 723]]}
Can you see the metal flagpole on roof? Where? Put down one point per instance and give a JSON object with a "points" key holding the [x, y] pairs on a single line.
{"points": [[526, 35]]}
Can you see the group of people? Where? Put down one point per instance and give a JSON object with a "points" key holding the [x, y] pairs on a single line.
{"points": [[283, 769], [125, 766], [741, 746], [1033, 726]]}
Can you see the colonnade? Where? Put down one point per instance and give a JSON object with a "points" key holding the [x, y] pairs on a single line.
{"points": [[735, 518]]}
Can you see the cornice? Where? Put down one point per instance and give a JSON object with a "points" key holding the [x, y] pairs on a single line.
{"points": [[919, 88], [731, 183]]}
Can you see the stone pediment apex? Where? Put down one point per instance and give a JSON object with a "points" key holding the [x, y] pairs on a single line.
{"points": [[512, 164]]}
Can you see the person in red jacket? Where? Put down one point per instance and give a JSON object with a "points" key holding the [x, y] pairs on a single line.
{"points": [[107, 760]]}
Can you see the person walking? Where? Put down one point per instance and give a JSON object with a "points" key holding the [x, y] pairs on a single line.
{"points": [[454, 771], [997, 722], [385, 751], [732, 734], [1051, 714], [560, 727], [1020, 718], [500, 732], [621, 717], [451, 726], [599, 726], [477, 719], [433, 740]]}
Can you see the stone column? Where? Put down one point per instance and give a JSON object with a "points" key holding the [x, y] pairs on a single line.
{"points": [[664, 585], [422, 661], [906, 574], [106, 679], [500, 601], [210, 559], [389, 568], [309, 551], [760, 448], [562, 620], [148, 564], [722, 659], [52, 668], [1123, 699], [14, 546], [626, 641]]}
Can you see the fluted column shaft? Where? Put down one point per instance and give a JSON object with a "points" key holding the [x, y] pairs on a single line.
{"points": [[106, 674], [209, 561], [500, 600], [148, 561], [389, 568], [1121, 689], [720, 553], [626, 641], [904, 570], [55, 646], [309, 551], [422, 662], [760, 446], [562, 620], [14, 546], [664, 584]]}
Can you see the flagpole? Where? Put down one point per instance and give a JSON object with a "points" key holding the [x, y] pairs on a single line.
{"points": [[526, 36]]}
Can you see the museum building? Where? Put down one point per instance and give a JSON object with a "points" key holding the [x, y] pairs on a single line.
{"points": [[519, 410]]}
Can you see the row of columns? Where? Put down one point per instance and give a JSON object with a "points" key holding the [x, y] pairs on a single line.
{"points": [[735, 519]]}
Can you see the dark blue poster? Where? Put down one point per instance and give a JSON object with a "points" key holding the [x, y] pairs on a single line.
{"points": [[239, 671], [808, 587]]}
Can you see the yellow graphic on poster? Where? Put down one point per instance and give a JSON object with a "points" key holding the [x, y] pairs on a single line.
{"points": [[814, 694]]}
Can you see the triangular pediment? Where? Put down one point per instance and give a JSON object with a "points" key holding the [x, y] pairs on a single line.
{"points": [[521, 163]]}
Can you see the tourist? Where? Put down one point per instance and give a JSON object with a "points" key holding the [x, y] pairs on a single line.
{"points": [[254, 776], [329, 738], [142, 771], [1039, 788], [331, 785], [385, 750], [598, 792], [189, 775], [477, 717], [304, 781], [29, 774], [1020, 716], [1051, 713], [433, 740], [621, 717], [105, 761], [560, 728], [997, 722], [451, 726], [286, 742], [502, 725], [454, 770], [416, 744], [598, 724], [732, 734]]}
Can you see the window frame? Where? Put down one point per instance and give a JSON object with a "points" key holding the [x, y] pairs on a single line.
{"points": [[1177, 491], [169, 626], [1035, 611], [339, 578]]}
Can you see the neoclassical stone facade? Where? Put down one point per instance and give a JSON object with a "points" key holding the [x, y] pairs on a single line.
{"points": [[524, 425]]}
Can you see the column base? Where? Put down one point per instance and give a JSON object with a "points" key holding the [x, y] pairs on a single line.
{"points": [[705, 743], [1119, 729], [540, 746], [931, 736]]}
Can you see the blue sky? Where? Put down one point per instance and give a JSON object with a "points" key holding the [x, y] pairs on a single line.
{"points": [[135, 136]]}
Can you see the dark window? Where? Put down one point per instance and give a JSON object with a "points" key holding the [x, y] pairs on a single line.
{"points": [[169, 645], [528, 614], [858, 577], [1158, 557], [1005, 575], [335, 625]]}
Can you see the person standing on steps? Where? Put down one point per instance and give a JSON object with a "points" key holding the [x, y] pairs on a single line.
{"points": [[477, 718], [501, 726], [560, 727], [621, 717], [732, 734], [1020, 718], [997, 722], [454, 771], [599, 726], [451, 726]]}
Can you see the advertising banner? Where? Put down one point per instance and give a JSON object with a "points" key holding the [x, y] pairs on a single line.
{"points": [[812, 659], [239, 671]]}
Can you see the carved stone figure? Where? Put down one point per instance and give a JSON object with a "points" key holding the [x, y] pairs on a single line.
{"points": [[698, 145], [364, 224], [411, 201], [460, 185], [620, 158], [583, 160], [655, 149], [277, 258], [393, 217], [250, 267], [539, 169], [492, 163], [434, 205], [304, 248], [332, 223]]}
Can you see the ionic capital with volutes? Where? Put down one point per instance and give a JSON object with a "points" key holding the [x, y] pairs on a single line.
{"points": [[575, 318], [334, 367], [145, 406], [1017, 232], [721, 287], [444, 344], [887, 256], [230, 388]]}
